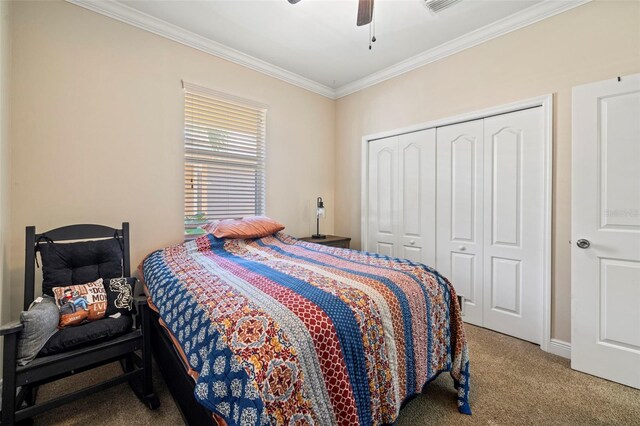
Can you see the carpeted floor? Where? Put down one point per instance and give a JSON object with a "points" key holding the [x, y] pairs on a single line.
{"points": [[513, 383]]}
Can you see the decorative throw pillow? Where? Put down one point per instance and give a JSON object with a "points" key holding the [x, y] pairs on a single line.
{"points": [[80, 303], [248, 227], [209, 227], [119, 295], [40, 322]]}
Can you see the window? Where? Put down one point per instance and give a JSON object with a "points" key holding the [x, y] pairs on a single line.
{"points": [[224, 158]]}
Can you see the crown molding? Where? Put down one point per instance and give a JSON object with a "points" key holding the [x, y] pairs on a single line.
{"points": [[518, 20], [129, 15], [134, 17]]}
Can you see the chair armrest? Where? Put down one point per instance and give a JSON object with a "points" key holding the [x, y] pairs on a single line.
{"points": [[11, 328], [142, 310]]}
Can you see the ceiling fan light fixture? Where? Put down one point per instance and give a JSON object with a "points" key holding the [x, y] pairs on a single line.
{"points": [[365, 17]]}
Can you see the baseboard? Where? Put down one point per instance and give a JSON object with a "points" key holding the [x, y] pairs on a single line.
{"points": [[560, 348]]}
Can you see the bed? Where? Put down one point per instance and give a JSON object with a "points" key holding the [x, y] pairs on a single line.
{"points": [[279, 331]]}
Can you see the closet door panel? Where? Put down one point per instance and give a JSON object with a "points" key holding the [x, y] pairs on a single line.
{"points": [[513, 222], [505, 186], [459, 212], [383, 196], [464, 181], [463, 267], [416, 192]]}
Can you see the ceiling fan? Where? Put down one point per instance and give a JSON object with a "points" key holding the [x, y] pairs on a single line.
{"points": [[365, 11]]}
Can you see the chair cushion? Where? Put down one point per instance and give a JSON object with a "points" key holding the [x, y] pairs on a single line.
{"points": [[86, 334], [40, 322], [79, 263]]}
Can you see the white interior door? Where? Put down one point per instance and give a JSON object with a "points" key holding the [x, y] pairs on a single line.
{"points": [[605, 255], [383, 196], [416, 197], [459, 212], [514, 155]]}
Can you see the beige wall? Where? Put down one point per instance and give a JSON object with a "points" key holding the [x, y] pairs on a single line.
{"points": [[592, 42], [97, 124], [4, 172]]}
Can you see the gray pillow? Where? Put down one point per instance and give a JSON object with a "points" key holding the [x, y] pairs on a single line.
{"points": [[40, 323]]}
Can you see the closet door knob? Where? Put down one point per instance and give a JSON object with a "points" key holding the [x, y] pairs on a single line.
{"points": [[462, 248], [583, 244], [412, 242]]}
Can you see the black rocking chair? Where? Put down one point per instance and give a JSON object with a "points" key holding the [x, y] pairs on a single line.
{"points": [[19, 406]]}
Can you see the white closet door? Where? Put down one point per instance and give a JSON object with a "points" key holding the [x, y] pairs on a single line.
{"points": [[416, 197], [459, 212], [513, 223], [383, 196]]}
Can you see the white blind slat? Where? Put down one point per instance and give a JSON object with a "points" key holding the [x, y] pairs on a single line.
{"points": [[204, 141], [212, 102], [200, 116], [224, 159]]}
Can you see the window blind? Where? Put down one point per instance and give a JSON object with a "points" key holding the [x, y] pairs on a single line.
{"points": [[224, 158]]}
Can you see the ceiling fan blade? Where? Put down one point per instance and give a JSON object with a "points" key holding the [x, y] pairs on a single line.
{"points": [[365, 12]]}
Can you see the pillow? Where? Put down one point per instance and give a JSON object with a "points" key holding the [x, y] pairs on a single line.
{"points": [[248, 227], [119, 295], [80, 303], [40, 322], [79, 263], [209, 227]]}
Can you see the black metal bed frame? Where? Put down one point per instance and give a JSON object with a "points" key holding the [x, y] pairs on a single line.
{"points": [[20, 406]]}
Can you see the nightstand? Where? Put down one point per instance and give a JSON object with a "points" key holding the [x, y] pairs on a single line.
{"points": [[331, 240]]}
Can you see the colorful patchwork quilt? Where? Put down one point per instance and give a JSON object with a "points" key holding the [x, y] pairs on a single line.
{"points": [[279, 331]]}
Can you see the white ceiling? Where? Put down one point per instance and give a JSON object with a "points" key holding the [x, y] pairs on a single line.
{"points": [[319, 39]]}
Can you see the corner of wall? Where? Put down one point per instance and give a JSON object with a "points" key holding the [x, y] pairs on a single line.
{"points": [[4, 151], [5, 296]]}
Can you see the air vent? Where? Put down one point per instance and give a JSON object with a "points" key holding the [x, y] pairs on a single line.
{"points": [[439, 5]]}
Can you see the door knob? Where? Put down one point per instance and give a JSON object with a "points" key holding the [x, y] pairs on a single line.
{"points": [[462, 248], [412, 242], [583, 244]]}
